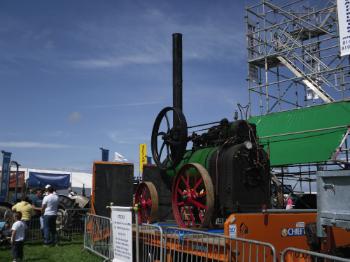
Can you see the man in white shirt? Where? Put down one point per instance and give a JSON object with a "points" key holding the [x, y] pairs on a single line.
{"points": [[49, 209]]}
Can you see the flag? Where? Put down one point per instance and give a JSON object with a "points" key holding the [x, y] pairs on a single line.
{"points": [[119, 157], [143, 156]]}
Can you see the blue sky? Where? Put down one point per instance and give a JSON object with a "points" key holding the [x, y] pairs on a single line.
{"points": [[78, 75]]}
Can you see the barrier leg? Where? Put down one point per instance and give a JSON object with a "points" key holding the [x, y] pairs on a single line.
{"points": [[137, 237]]}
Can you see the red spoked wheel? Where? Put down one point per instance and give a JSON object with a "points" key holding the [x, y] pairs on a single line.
{"points": [[193, 196], [146, 198]]}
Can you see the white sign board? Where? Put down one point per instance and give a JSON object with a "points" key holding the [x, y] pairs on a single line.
{"points": [[344, 26], [232, 229], [122, 234]]}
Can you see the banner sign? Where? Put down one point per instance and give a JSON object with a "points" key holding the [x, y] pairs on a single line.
{"points": [[5, 175], [122, 234], [344, 26], [20, 179], [40, 180], [143, 156]]}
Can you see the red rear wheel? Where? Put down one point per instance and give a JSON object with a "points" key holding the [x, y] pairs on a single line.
{"points": [[193, 196], [146, 197]]}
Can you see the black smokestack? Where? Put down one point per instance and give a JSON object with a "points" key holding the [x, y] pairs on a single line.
{"points": [[177, 71]]}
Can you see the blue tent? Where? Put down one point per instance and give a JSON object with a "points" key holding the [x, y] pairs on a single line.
{"points": [[40, 180]]}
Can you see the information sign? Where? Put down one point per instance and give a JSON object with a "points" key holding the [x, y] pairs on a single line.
{"points": [[122, 233], [344, 26]]}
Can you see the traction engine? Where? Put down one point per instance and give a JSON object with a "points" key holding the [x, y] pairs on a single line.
{"points": [[216, 170]]}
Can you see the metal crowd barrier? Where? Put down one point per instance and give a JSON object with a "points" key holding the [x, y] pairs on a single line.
{"points": [[73, 223], [34, 230], [150, 243], [157, 243], [296, 254], [69, 223], [194, 245], [98, 236]]}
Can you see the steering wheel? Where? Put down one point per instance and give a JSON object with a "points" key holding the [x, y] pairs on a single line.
{"points": [[169, 138]]}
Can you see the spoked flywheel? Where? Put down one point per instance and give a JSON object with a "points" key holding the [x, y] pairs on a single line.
{"points": [[146, 198], [193, 196], [169, 138]]}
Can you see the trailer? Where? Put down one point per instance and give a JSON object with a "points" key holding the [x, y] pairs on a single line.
{"points": [[224, 179]]}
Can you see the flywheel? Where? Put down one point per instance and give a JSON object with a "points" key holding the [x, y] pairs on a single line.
{"points": [[169, 138]]}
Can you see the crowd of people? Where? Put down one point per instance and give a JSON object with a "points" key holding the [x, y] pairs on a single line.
{"points": [[43, 201]]}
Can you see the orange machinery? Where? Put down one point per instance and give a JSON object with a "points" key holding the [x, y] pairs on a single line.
{"points": [[284, 229]]}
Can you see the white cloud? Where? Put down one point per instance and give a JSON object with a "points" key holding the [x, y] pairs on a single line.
{"points": [[56, 133], [117, 61], [30, 144], [124, 105], [147, 40], [127, 137], [74, 117], [122, 39]]}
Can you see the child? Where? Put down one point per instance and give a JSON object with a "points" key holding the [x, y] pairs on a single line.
{"points": [[5, 233], [17, 237]]}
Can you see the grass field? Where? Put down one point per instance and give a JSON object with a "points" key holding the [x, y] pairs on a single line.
{"points": [[69, 251]]}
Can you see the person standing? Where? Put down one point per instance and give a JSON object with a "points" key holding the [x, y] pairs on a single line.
{"points": [[49, 209], [17, 237], [25, 208], [290, 203], [37, 199], [37, 202]]}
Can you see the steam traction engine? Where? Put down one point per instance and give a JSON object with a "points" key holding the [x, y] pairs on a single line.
{"points": [[224, 171], [219, 175]]}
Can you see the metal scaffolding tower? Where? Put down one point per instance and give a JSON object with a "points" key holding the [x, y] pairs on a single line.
{"points": [[294, 62], [293, 55]]}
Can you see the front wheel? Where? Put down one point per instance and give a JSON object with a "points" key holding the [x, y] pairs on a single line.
{"points": [[146, 198]]}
